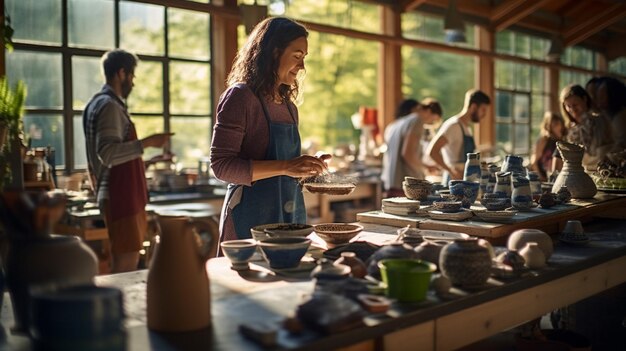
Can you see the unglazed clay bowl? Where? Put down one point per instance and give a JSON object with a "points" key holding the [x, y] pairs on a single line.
{"points": [[337, 233], [447, 206], [284, 252], [417, 191], [495, 204], [289, 229]]}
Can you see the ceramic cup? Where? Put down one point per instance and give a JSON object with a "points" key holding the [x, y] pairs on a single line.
{"points": [[407, 280], [239, 252], [78, 318], [574, 227]]}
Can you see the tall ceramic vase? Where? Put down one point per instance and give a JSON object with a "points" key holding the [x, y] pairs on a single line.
{"points": [[178, 296], [573, 175], [466, 263], [472, 167], [521, 197], [503, 184]]}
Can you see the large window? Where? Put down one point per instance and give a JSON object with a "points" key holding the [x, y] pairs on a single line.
{"points": [[618, 66], [61, 67], [521, 93], [577, 57], [341, 72]]}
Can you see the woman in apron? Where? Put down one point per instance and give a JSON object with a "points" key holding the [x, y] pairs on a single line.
{"points": [[256, 143]]}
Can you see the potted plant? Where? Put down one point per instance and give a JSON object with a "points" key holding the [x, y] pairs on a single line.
{"points": [[11, 110]]}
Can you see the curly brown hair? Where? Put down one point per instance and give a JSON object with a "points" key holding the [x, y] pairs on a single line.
{"points": [[256, 64]]}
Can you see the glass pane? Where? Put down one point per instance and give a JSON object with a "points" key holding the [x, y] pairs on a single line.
{"points": [[331, 95], [80, 152], [347, 14], [539, 48], [141, 28], [445, 77], [522, 140], [86, 79], [188, 34], [147, 94], [42, 74], [192, 139], [504, 42], [189, 88], [521, 108], [505, 72], [537, 77], [147, 126], [503, 106], [504, 138], [35, 20], [91, 23], [46, 130], [538, 108], [522, 77], [522, 45]]}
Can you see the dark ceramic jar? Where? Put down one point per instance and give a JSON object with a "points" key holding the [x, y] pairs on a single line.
{"points": [[466, 263]]}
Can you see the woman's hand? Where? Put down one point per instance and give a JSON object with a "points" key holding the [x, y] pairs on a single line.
{"points": [[306, 166]]}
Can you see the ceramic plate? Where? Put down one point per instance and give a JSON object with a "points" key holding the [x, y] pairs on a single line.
{"points": [[441, 235], [399, 211], [400, 201], [453, 216]]}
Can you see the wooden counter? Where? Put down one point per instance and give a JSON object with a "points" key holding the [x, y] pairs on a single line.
{"points": [[573, 273], [550, 220]]}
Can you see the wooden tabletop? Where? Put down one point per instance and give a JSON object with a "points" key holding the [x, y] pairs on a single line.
{"points": [[261, 296]]}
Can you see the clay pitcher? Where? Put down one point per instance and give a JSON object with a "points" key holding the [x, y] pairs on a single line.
{"points": [[178, 295]]}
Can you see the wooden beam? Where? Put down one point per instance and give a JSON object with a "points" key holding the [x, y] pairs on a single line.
{"points": [[594, 23], [224, 42], [389, 68], [572, 8], [505, 17], [411, 5]]}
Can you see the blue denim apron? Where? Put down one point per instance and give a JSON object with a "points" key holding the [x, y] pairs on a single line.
{"points": [[276, 199], [469, 145]]}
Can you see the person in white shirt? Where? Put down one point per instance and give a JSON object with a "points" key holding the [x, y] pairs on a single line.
{"points": [[403, 138], [454, 139]]}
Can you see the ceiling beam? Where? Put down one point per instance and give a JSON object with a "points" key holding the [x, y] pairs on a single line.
{"points": [[411, 5], [512, 11], [594, 23]]}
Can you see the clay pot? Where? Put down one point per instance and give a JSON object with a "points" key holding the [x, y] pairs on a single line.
{"points": [[521, 196], [518, 239], [573, 175], [464, 191], [55, 261], [465, 263], [472, 171], [514, 164], [357, 267], [430, 251], [178, 296], [503, 184], [546, 200], [393, 250], [533, 256], [512, 259]]}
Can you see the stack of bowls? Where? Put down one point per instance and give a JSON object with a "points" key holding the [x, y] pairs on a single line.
{"points": [[416, 189]]}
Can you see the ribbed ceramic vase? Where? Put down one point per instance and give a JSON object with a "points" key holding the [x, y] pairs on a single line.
{"points": [[503, 184], [466, 263], [573, 175]]}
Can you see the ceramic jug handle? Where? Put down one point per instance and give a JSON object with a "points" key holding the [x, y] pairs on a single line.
{"points": [[208, 231]]}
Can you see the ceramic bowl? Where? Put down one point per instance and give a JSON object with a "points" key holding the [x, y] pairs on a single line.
{"points": [[447, 206], [337, 233], [495, 204], [284, 252], [266, 231], [239, 252], [289, 229], [407, 280], [465, 191], [418, 191], [415, 181]]}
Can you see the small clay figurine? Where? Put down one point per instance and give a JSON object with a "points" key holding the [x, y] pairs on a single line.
{"points": [[546, 200], [564, 195]]}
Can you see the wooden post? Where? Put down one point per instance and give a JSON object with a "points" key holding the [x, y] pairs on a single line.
{"points": [[484, 132], [553, 89], [389, 67], [224, 42]]}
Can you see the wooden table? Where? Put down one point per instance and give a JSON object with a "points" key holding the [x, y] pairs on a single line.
{"points": [[550, 220], [573, 273]]}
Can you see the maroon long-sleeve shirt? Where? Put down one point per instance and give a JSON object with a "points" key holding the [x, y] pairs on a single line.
{"points": [[241, 133]]}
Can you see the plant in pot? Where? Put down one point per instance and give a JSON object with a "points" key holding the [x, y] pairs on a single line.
{"points": [[12, 101]]}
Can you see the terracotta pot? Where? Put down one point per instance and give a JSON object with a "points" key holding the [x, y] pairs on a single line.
{"points": [[466, 263], [573, 175], [357, 267], [54, 261], [178, 297], [533, 256], [430, 251], [518, 239]]}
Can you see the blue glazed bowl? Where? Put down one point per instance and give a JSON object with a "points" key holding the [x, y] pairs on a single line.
{"points": [[285, 252], [239, 252], [464, 191]]}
